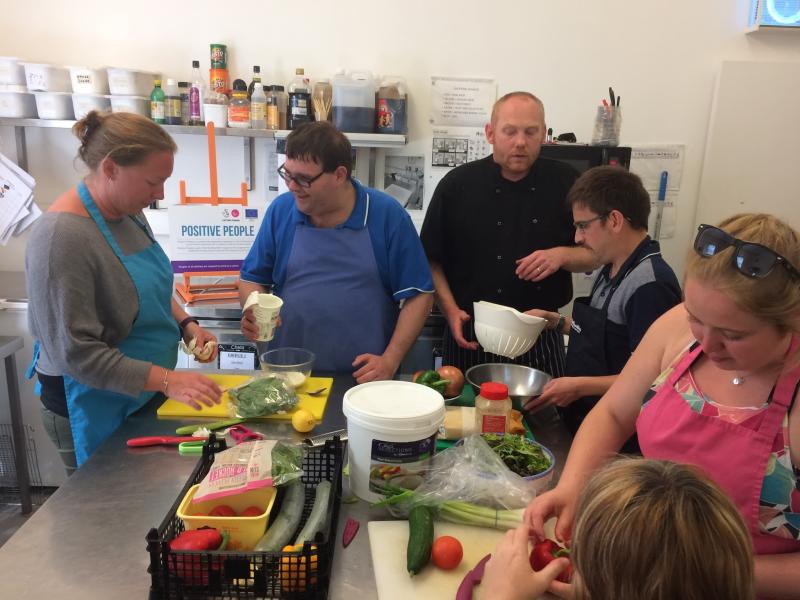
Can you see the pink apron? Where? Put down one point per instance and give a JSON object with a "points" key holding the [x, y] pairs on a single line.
{"points": [[734, 456]]}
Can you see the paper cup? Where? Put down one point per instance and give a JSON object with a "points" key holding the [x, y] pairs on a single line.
{"points": [[266, 308]]}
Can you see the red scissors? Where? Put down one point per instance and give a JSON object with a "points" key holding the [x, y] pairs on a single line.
{"points": [[240, 434]]}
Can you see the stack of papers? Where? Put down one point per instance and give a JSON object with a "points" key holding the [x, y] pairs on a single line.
{"points": [[17, 209]]}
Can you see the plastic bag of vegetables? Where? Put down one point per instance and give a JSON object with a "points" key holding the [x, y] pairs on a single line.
{"points": [[467, 483], [262, 396]]}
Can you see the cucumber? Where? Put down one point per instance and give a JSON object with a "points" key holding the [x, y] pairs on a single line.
{"points": [[287, 521], [420, 539], [317, 519]]}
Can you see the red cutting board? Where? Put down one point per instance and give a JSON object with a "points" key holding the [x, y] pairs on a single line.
{"points": [[313, 404]]}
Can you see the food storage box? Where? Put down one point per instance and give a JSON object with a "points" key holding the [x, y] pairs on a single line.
{"points": [[302, 574], [244, 532], [134, 104], [11, 71], [130, 82], [54, 105], [86, 80], [83, 103], [41, 77], [17, 105]]}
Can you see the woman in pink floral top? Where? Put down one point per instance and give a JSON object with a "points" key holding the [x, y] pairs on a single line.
{"points": [[726, 366]]}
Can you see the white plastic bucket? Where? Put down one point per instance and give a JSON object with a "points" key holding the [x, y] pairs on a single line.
{"points": [[391, 432], [86, 80], [54, 105]]}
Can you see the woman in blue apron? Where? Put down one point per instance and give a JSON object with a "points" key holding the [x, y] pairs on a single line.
{"points": [[100, 287]]}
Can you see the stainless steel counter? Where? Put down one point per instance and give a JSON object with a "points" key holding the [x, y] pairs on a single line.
{"points": [[88, 540], [12, 286]]}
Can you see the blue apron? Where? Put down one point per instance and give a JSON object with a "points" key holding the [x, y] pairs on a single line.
{"points": [[95, 414], [334, 302]]}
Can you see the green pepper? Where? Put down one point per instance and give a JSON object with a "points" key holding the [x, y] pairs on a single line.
{"points": [[428, 377], [433, 380]]}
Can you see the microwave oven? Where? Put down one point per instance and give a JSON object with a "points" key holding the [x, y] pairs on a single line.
{"points": [[583, 157]]}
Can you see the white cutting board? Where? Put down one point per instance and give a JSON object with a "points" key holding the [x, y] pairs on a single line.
{"points": [[388, 541]]}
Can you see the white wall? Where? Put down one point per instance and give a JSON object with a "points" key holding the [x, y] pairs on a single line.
{"points": [[661, 58]]}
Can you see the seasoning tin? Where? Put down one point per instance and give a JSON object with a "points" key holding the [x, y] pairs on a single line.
{"points": [[219, 80], [219, 56]]}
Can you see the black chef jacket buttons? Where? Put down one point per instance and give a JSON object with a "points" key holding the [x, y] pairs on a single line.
{"points": [[496, 190], [499, 257], [499, 223], [534, 221], [499, 290]]}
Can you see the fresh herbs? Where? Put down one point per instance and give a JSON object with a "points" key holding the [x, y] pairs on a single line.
{"points": [[522, 456], [263, 396]]}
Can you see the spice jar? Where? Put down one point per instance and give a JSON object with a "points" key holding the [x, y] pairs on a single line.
{"points": [[492, 408]]}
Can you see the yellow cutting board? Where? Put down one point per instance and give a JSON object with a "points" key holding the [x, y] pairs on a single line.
{"points": [[388, 541], [313, 404]]}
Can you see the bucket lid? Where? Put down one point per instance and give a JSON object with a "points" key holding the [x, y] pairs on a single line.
{"points": [[399, 404]]}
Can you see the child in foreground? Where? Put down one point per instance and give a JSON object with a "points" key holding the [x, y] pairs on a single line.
{"points": [[645, 530]]}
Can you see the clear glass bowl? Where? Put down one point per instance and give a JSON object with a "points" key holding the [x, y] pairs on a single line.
{"points": [[294, 364]]}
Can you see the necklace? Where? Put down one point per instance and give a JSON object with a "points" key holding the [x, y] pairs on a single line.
{"points": [[738, 380]]}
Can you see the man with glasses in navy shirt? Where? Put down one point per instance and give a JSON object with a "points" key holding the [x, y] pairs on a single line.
{"points": [[345, 259], [610, 208]]}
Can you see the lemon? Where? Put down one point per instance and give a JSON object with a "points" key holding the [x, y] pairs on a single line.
{"points": [[303, 420], [293, 569]]}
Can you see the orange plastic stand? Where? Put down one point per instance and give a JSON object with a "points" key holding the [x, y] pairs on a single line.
{"points": [[224, 291]]}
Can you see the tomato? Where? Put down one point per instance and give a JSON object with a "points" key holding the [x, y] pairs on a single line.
{"points": [[446, 552], [456, 379], [223, 510], [251, 511]]}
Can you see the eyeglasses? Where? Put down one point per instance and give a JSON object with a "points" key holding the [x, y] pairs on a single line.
{"points": [[582, 225], [301, 180], [751, 259]]}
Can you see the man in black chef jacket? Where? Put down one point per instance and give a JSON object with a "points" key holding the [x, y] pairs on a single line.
{"points": [[498, 229], [610, 208]]}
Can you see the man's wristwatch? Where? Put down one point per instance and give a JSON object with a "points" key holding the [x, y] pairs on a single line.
{"points": [[561, 320]]}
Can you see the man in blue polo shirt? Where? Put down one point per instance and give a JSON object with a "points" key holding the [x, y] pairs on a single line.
{"points": [[610, 208], [345, 259]]}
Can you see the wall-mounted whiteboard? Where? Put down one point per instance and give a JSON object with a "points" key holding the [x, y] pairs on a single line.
{"points": [[752, 159]]}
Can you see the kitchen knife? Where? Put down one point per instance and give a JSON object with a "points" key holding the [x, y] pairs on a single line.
{"points": [[158, 440]]}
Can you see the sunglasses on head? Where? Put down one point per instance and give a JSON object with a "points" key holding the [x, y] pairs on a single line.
{"points": [[751, 259]]}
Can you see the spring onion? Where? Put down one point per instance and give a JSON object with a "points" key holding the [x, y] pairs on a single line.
{"points": [[457, 511]]}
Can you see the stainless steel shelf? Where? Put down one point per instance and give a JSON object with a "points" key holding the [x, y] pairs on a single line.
{"points": [[358, 140]]}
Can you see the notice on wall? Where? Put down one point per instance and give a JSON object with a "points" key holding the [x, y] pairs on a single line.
{"points": [[204, 237], [462, 102], [454, 146], [654, 163]]}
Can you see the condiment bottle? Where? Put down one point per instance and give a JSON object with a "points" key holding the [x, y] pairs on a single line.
{"points": [[197, 91], [157, 97], [172, 103], [258, 107], [273, 111], [283, 102], [183, 91], [239, 106], [492, 408], [256, 81], [299, 100]]}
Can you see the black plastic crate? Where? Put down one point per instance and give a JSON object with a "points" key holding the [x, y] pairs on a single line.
{"points": [[185, 575]]}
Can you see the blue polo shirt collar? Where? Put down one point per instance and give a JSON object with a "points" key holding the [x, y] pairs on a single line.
{"points": [[357, 218]]}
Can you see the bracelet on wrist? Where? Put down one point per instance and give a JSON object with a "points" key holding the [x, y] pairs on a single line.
{"points": [[185, 323], [165, 382], [560, 325]]}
